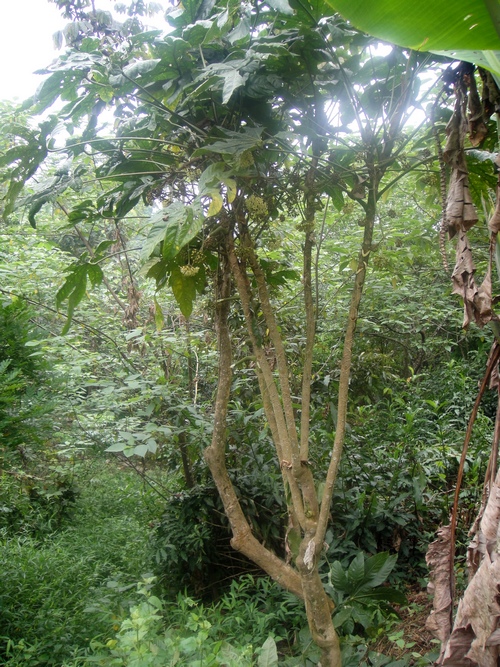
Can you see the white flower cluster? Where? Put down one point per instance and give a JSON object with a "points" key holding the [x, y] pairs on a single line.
{"points": [[189, 270]]}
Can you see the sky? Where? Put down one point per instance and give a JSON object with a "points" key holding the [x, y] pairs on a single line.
{"points": [[26, 45], [26, 29]]}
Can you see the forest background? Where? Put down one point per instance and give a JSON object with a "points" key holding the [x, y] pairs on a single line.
{"points": [[266, 166]]}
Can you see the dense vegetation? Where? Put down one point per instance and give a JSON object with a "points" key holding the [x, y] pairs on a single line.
{"points": [[253, 172]]}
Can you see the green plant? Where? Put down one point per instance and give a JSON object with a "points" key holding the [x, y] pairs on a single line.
{"points": [[142, 640], [361, 599], [191, 543]]}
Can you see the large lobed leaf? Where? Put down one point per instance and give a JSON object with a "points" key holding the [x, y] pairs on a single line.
{"points": [[429, 24]]}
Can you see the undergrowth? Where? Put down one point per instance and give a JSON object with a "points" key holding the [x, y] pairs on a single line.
{"points": [[48, 585]]}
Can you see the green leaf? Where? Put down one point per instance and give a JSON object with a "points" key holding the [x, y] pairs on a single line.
{"points": [[241, 32], [280, 6], [268, 654], [341, 616], [174, 227], [428, 25], [235, 144], [116, 447], [379, 567], [184, 290], [135, 168], [382, 594], [212, 177], [356, 572], [140, 67], [338, 577], [216, 204], [74, 299], [159, 317], [95, 274], [183, 224], [232, 81], [75, 286]]}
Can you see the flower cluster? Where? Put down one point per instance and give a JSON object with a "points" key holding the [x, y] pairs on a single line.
{"points": [[256, 207], [189, 270]]}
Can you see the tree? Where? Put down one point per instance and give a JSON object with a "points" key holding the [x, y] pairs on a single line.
{"points": [[239, 117]]}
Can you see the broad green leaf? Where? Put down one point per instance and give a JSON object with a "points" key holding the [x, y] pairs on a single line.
{"points": [[184, 290], [280, 6], [135, 167], [10, 198], [426, 25], [242, 31], [336, 195], [141, 450], [356, 572], [342, 615], [75, 286], [212, 177], [268, 654], [381, 594], [216, 203], [379, 567], [74, 299], [230, 184], [235, 144], [152, 445], [174, 227], [76, 277], [338, 576], [95, 274], [232, 81], [184, 223], [140, 67], [486, 59], [159, 317], [116, 447], [126, 435], [33, 210]]}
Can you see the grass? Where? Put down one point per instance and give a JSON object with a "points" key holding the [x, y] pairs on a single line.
{"points": [[50, 589]]}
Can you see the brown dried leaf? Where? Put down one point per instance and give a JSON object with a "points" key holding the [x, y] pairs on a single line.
{"points": [[483, 312], [475, 638], [477, 126], [478, 302], [460, 211], [494, 223], [455, 130], [485, 539], [438, 559], [490, 96], [476, 621], [463, 277]]}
